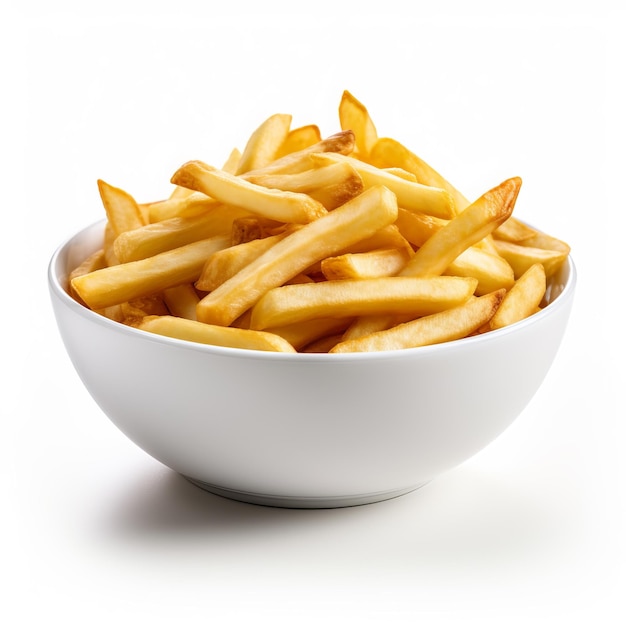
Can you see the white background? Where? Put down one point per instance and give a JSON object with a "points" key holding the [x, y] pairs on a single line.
{"points": [[530, 530]]}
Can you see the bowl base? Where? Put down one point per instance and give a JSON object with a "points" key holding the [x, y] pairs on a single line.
{"points": [[297, 502]]}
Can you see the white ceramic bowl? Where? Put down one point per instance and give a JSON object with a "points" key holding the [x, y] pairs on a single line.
{"points": [[306, 430]]}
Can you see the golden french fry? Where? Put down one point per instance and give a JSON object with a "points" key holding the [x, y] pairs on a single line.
{"points": [[136, 279], [184, 202], [224, 264], [418, 227], [347, 298], [178, 193], [122, 211], [353, 115], [332, 185], [388, 237], [388, 152], [264, 143], [467, 228], [109, 241], [449, 325], [521, 257], [523, 299], [256, 227], [114, 312], [299, 139], [275, 204], [191, 330], [180, 205], [546, 242], [411, 195], [232, 162], [341, 142], [361, 265], [513, 230], [152, 239], [322, 345], [492, 271], [398, 171], [194, 203], [139, 308], [93, 262], [304, 333], [243, 321], [130, 312], [368, 324], [357, 219], [182, 300]]}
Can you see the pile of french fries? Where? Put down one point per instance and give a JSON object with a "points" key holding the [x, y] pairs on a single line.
{"points": [[300, 243]]}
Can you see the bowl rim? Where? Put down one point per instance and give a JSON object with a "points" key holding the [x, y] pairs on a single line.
{"points": [[58, 290]]}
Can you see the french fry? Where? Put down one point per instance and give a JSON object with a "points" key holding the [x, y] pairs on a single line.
{"points": [[182, 301], [180, 205], [136, 279], [513, 230], [304, 333], [521, 257], [449, 325], [224, 264], [232, 162], [411, 195], [255, 227], [523, 299], [93, 262], [114, 312], [388, 152], [348, 298], [332, 185], [122, 211], [153, 239], [388, 237], [355, 220], [341, 142], [418, 227], [492, 271], [546, 242], [129, 313], [274, 204], [109, 241], [190, 330], [353, 115], [322, 345], [299, 139], [368, 324], [362, 265], [178, 193], [138, 308], [398, 171], [264, 143], [467, 228]]}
